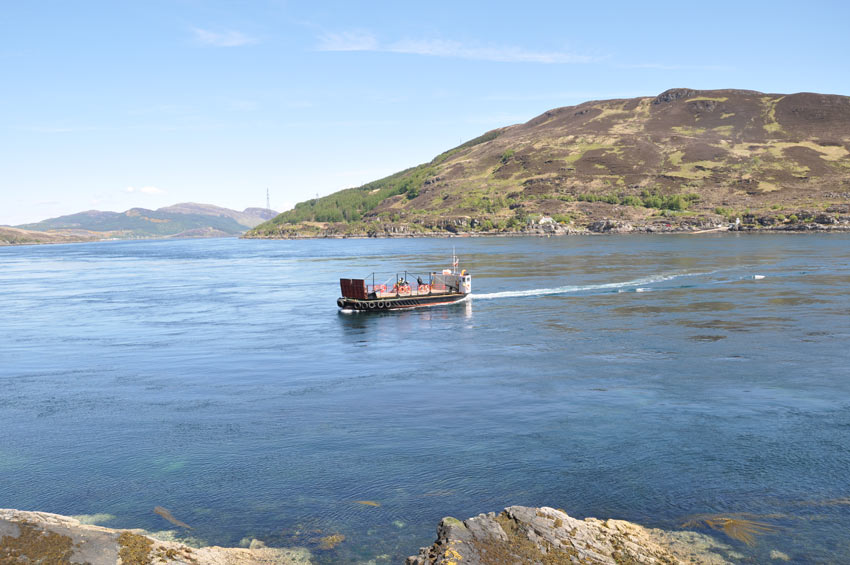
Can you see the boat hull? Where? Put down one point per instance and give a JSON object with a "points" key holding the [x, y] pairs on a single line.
{"points": [[398, 303]]}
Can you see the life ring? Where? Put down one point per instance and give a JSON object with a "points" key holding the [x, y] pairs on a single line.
{"points": [[404, 290], [424, 289]]}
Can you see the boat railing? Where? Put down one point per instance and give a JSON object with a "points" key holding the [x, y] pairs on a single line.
{"points": [[406, 284], [401, 285]]}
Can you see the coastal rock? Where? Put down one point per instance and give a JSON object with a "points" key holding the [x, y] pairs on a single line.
{"points": [[40, 537], [601, 226], [610, 226], [521, 534], [825, 219]]}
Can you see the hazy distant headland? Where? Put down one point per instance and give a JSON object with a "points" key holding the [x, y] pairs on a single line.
{"points": [[685, 159], [178, 221]]}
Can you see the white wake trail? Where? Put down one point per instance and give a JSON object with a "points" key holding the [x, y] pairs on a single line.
{"points": [[571, 288]]}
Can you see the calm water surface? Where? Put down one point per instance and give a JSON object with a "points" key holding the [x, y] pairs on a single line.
{"points": [[644, 378]]}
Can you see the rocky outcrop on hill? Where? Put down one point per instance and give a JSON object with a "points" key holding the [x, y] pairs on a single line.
{"points": [[39, 537], [544, 535]]}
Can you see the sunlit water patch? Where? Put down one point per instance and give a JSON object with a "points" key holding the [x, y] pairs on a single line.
{"points": [[213, 385]]}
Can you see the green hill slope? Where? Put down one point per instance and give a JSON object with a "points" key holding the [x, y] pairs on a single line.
{"points": [[682, 157]]}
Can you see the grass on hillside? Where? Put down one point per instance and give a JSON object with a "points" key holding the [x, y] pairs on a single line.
{"points": [[350, 205]]}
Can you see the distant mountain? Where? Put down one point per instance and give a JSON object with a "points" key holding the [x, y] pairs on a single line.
{"points": [[180, 220], [249, 217], [684, 157]]}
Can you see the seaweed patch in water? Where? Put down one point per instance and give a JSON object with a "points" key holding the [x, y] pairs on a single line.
{"points": [[827, 502], [367, 502], [736, 526], [93, 519], [331, 541], [442, 492], [706, 337], [168, 516]]}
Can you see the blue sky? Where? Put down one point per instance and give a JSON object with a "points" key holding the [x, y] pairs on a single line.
{"points": [[116, 104]]}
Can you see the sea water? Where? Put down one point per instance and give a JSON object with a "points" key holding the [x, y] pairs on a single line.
{"points": [[648, 378]]}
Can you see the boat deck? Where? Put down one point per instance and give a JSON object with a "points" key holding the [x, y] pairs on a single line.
{"points": [[412, 293]]}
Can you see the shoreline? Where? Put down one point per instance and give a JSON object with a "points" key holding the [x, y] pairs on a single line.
{"points": [[43, 537], [520, 534], [803, 229], [516, 534], [611, 229], [835, 218]]}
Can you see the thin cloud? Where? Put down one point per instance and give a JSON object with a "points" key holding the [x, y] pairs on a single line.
{"points": [[498, 120], [365, 41], [343, 124], [144, 190], [222, 39], [555, 96], [60, 129], [498, 54], [663, 67], [348, 41]]}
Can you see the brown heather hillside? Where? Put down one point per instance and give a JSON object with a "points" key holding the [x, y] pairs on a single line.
{"points": [[15, 236], [682, 158]]}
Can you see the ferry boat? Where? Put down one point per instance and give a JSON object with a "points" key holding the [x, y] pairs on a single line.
{"points": [[444, 287]]}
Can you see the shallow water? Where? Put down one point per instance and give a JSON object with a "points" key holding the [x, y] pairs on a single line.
{"points": [[644, 378]]}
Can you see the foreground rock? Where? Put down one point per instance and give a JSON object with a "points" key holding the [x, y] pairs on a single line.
{"points": [[548, 536], [39, 537]]}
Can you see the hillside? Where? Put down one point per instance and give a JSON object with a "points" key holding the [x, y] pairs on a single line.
{"points": [[180, 220], [682, 158], [15, 236], [249, 217]]}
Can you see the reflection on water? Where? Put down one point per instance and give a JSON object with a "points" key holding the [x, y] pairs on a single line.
{"points": [[656, 379]]}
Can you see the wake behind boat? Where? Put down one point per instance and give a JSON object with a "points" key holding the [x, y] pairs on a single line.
{"points": [[445, 287]]}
